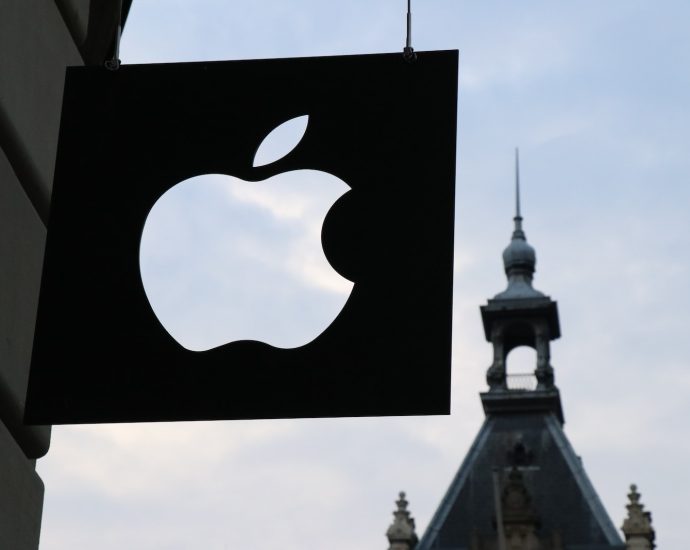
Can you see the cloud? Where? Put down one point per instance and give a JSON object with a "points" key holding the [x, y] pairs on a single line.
{"points": [[593, 95], [224, 259]]}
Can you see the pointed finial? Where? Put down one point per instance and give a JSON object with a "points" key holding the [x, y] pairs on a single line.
{"points": [[518, 215], [519, 258], [637, 527], [517, 183], [401, 502], [401, 534], [634, 496]]}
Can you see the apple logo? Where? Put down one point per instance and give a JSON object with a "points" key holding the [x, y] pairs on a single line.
{"points": [[224, 259]]}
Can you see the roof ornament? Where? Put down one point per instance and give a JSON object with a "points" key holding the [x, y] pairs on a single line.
{"points": [[401, 534], [637, 527], [520, 455]]}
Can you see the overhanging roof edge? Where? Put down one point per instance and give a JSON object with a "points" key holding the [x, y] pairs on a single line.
{"points": [[439, 517], [591, 497]]}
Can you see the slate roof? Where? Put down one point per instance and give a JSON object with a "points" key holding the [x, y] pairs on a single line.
{"points": [[562, 494]]}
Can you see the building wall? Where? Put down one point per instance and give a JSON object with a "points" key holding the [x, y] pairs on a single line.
{"points": [[38, 39]]}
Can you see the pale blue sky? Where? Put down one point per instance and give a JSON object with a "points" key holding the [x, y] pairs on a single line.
{"points": [[595, 94]]}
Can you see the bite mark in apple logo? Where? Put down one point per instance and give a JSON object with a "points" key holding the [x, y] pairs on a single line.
{"points": [[223, 259]]}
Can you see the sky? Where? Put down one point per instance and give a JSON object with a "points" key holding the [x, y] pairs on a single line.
{"points": [[595, 95]]}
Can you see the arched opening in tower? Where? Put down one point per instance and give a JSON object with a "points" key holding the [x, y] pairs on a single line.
{"points": [[520, 365]]}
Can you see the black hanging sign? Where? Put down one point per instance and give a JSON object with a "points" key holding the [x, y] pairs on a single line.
{"points": [[383, 125]]}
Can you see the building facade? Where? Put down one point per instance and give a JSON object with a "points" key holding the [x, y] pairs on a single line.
{"points": [[521, 485], [38, 40]]}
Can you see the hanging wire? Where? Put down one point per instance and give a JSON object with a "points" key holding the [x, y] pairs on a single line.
{"points": [[408, 50], [113, 64]]}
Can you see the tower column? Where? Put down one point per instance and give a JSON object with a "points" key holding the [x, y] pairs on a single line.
{"points": [[544, 370], [496, 375]]}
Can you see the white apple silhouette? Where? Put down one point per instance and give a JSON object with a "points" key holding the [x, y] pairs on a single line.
{"points": [[223, 259]]}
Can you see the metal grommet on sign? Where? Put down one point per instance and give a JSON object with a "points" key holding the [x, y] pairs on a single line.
{"points": [[408, 50]]}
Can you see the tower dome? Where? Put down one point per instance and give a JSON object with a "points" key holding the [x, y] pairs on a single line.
{"points": [[519, 254]]}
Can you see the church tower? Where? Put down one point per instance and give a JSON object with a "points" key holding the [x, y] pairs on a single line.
{"points": [[521, 485]]}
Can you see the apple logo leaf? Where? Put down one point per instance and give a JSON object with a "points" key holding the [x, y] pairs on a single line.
{"points": [[281, 140]]}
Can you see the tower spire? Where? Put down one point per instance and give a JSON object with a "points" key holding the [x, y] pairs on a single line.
{"points": [[519, 258], [518, 216], [521, 315]]}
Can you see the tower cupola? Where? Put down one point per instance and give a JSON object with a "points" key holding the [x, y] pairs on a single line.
{"points": [[521, 316]]}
